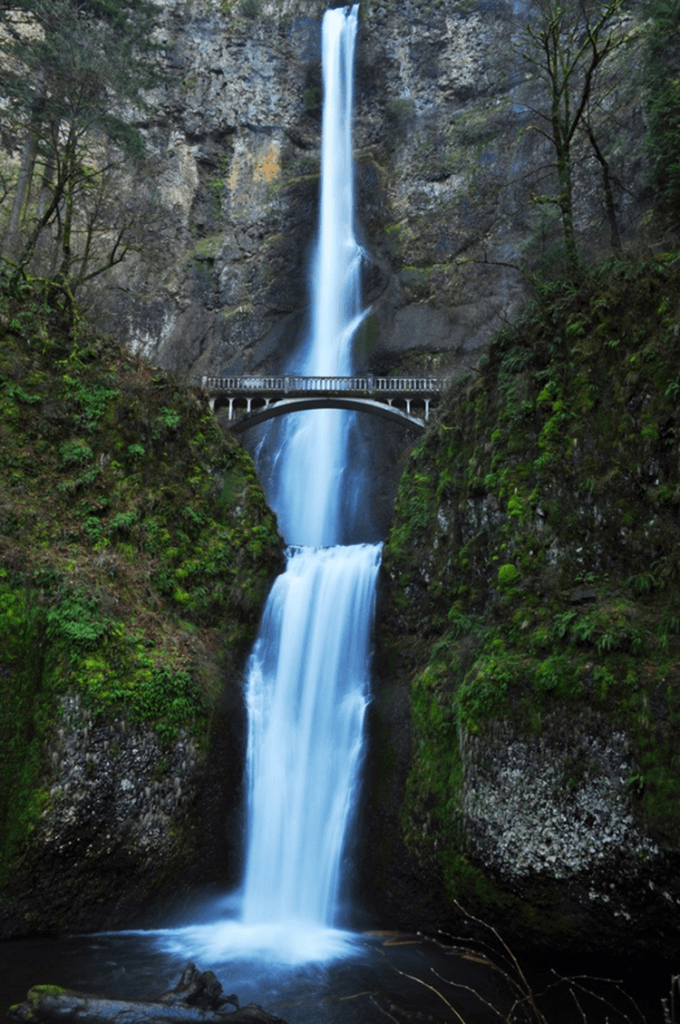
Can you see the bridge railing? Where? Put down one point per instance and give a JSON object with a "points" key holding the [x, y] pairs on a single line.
{"points": [[287, 383]]}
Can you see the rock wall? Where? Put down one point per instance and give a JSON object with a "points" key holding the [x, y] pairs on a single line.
{"points": [[120, 800], [445, 174], [528, 636], [136, 553]]}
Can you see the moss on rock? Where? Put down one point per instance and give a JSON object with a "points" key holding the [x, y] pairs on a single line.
{"points": [[532, 579], [136, 550]]}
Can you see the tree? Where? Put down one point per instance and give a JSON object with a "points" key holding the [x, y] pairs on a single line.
{"points": [[662, 88], [73, 72], [567, 43]]}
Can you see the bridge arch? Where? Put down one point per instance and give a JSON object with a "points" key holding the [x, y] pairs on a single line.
{"points": [[284, 406], [255, 399]]}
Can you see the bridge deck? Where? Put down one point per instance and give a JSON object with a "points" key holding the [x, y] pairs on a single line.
{"points": [[289, 384]]}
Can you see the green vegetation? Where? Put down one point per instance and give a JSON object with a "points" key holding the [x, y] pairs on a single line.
{"points": [[134, 536], [67, 70], [662, 82], [567, 47], [534, 560]]}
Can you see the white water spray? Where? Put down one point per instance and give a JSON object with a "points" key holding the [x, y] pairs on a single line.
{"points": [[308, 676]]}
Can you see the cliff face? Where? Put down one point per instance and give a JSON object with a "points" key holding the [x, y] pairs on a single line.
{"points": [[530, 619], [136, 551], [445, 174]]}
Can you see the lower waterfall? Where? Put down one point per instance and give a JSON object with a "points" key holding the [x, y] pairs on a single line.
{"points": [[307, 694]]}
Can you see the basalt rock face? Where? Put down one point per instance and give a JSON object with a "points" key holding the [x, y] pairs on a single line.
{"points": [[445, 173], [527, 695], [136, 553], [118, 799]]}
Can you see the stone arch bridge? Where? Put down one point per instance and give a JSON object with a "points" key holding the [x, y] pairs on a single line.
{"points": [[253, 399]]}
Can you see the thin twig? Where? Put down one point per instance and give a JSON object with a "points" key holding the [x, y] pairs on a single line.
{"points": [[472, 991], [419, 981], [595, 995], [578, 1005], [527, 988], [377, 1004]]}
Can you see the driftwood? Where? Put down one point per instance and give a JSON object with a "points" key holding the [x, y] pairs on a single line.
{"points": [[196, 999]]}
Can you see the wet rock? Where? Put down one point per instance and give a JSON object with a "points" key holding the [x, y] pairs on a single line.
{"points": [[198, 988], [197, 999]]}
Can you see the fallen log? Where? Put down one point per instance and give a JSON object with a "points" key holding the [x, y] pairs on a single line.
{"points": [[197, 999]]}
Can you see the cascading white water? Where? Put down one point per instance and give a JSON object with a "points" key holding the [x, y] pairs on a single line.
{"points": [[310, 468], [307, 694], [307, 686], [307, 683]]}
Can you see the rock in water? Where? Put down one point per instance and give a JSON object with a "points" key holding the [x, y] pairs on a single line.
{"points": [[198, 988], [196, 999]]}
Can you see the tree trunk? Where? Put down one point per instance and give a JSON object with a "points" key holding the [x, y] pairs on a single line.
{"points": [[21, 192], [566, 205], [26, 169], [609, 203]]}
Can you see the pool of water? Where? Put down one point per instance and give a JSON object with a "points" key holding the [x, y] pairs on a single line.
{"points": [[362, 978], [372, 980]]}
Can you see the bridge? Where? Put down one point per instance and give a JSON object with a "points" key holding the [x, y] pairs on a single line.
{"points": [[253, 399]]}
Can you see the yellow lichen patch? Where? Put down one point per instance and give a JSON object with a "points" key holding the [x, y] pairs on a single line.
{"points": [[234, 174], [268, 167], [254, 166]]}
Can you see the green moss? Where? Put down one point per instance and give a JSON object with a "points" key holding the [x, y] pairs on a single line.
{"points": [[469, 885], [207, 248], [366, 340], [134, 537], [507, 574], [534, 561], [38, 992], [312, 98]]}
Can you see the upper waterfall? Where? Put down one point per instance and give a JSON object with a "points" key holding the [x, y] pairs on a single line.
{"points": [[310, 470], [336, 297]]}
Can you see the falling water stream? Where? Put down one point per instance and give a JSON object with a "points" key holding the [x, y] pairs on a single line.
{"points": [[308, 678], [308, 675]]}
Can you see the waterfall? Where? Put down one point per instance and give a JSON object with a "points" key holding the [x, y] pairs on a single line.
{"points": [[310, 469], [307, 692], [307, 687]]}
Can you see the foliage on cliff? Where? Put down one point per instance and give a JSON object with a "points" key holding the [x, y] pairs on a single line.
{"points": [[533, 567], [136, 546], [71, 76], [662, 93]]}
